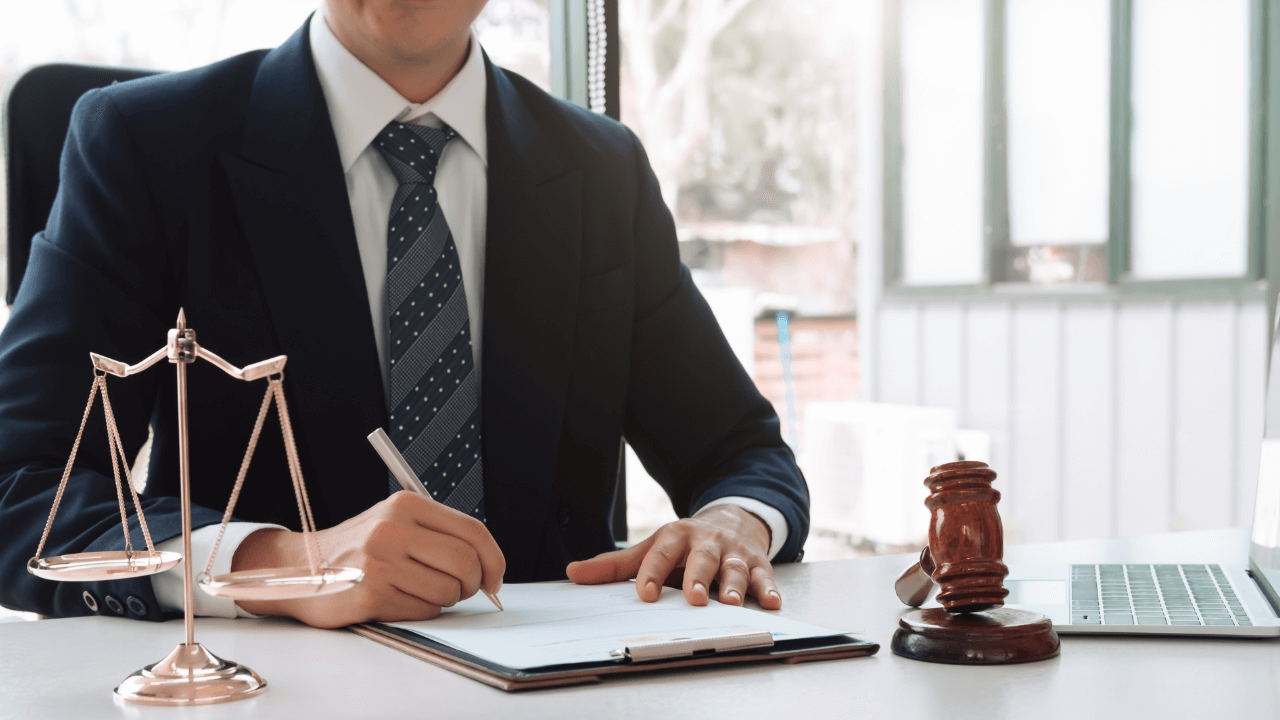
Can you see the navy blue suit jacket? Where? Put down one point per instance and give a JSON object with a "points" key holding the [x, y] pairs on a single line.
{"points": [[220, 191]]}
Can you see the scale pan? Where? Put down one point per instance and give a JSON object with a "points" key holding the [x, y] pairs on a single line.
{"points": [[281, 583], [95, 566]]}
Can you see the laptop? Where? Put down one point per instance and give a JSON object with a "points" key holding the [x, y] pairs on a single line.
{"points": [[1237, 599]]}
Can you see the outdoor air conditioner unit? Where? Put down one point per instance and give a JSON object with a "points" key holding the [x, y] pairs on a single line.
{"points": [[866, 464]]}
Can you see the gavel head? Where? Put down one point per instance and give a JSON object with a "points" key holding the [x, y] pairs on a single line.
{"points": [[966, 539]]}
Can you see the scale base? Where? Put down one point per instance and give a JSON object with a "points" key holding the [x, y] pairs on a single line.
{"points": [[190, 675]]}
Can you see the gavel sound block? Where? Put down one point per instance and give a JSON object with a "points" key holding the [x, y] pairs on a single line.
{"points": [[965, 558]]}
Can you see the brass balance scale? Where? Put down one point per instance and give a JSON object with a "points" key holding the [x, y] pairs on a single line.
{"points": [[191, 675]]}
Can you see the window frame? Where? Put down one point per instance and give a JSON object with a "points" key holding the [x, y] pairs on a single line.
{"points": [[585, 65], [1263, 221], [569, 59]]}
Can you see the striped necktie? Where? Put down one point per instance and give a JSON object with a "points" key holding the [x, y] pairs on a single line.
{"points": [[434, 399]]}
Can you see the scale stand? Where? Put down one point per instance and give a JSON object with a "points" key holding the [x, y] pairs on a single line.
{"points": [[191, 675]]}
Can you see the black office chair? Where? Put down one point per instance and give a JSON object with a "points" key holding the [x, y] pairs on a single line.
{"points": [[35, 118]]}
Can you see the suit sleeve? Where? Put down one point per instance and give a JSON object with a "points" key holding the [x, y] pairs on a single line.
{"points": [[693, 414], [99, 279]]}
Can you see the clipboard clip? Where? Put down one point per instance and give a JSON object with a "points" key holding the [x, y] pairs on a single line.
{"points": [[689, 647]]}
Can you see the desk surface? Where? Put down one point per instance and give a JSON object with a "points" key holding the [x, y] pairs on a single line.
{"points": [[67, 668]]}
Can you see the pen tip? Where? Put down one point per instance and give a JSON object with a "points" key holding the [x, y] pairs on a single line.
{"points": [[494, 599]]}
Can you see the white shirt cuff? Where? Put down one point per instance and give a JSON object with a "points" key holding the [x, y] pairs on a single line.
{"points": [[168, 584], [769, 514]]}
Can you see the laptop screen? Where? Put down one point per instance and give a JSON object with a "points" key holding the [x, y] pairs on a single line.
{"points": [[1264, 543]]}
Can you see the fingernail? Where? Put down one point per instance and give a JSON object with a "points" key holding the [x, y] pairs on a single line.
{"points": [[650, 587], [699, 587], [734, 594], [774, 593]]}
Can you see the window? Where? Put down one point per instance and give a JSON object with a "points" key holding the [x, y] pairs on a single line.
{"points": [[942, 129], [517, 36], [751, 115], [1120, 145], [1057, 84], [1190, 159]]}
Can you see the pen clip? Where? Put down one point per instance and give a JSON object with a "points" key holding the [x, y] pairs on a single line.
{"points": [[688, 647]]}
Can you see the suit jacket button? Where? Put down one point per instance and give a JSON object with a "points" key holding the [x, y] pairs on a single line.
{"points": [[113, 604], [563, 516], [90, 601], [136, 606]]}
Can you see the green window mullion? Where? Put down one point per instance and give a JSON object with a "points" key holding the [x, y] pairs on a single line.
{"points": [[995, 203], [1270, 172], [892, 149], [568, 20], [1121, 125], [1258, 97]]}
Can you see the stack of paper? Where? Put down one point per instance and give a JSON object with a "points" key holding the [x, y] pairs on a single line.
{"points": [[549, 624]]}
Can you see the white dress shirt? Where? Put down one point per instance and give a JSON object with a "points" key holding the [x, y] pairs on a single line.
{"points": [[360, 105]]}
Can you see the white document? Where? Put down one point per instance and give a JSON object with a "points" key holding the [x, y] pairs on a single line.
{"points": [[561, 623]]}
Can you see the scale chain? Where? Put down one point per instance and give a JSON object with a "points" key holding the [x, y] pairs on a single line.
{"points": [[115, 470], [66, 473], [113, 439], [115, 448], [295, 471], [275, 390], [244, 470], [133, 491]]}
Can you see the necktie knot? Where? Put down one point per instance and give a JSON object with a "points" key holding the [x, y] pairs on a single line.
{"points": [[413, 151]]}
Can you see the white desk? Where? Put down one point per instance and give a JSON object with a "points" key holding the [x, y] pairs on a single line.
{"points": [[67, 668]]}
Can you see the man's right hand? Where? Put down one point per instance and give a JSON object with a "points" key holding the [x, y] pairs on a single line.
{"points": [[418, 556]]}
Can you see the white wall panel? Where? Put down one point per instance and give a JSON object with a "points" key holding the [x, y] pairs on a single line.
{"points": [[1088, 421], [942, 355], [987, 377], [1251, 362], [899, 355], [1204, 415], [1122, 418], [1144, 393], [1034, 509]]}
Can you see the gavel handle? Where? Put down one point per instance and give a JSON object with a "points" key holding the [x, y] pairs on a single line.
{"points": [[915, 584]]}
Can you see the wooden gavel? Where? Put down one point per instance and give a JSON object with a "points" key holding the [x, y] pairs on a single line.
{"points": [[966, 542], [965, 557]]}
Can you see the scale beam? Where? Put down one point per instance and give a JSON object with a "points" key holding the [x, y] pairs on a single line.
{"points": [[256, 371], [248, 373], [119, 369]]}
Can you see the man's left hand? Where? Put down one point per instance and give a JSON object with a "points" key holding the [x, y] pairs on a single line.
{"points": [[723, 543]]}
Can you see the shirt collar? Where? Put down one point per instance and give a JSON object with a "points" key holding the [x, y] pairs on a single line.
{"points": [[361, 103]]}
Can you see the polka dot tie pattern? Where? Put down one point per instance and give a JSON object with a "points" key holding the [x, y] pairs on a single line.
{"points": [[434, 398]]}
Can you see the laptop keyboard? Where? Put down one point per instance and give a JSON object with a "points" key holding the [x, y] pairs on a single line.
{"points": [[1153, 595]]}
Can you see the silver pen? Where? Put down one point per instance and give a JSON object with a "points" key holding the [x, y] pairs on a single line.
{"points": [[401, 471]]}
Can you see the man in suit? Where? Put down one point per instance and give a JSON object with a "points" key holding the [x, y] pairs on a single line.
{"points": [[273, 196]]}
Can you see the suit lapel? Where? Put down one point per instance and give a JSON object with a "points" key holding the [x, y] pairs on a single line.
{"points": [[291, 198], [532, 255]]}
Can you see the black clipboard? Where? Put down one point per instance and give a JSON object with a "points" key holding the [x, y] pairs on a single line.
{"points": [[832, 647]]}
